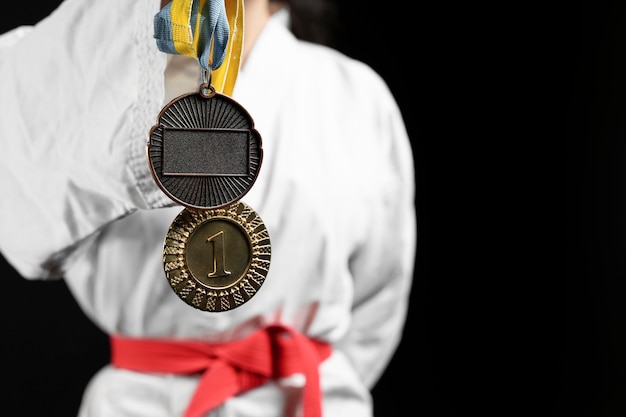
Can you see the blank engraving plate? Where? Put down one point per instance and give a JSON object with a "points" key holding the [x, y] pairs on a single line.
{"points": [[216, 260], [211, 152], [204, 152]]}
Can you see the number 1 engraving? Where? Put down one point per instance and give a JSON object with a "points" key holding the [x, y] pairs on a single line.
{"points": [[219, 257]]}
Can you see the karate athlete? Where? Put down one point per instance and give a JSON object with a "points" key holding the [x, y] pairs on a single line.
{"points": [[79, 94]]}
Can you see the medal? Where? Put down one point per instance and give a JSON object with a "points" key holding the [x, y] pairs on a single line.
{"points": [[216, 260], [205, 154]]}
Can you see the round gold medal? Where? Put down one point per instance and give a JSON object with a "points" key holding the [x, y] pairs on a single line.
{"points": [[216, 260]]}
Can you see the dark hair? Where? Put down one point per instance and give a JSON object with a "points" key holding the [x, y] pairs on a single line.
{"points": [[314, 20]]}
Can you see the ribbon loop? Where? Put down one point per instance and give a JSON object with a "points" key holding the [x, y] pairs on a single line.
{"points": [[209, 30]]}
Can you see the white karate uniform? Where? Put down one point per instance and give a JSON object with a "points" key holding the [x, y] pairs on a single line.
{"points": [[79, 92]]}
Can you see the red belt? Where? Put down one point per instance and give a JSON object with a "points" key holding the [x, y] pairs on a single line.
{"points": [[229, 368]]}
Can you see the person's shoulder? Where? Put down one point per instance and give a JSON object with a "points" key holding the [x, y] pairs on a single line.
{"points": [[332, 64], [328, 57], [11, 37]]}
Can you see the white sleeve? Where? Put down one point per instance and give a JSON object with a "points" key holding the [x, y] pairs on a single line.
{"points": [[382, 266], [79, 92]]}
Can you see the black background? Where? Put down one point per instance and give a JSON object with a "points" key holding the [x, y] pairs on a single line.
{"points": [[459, 86], [594, 355]]}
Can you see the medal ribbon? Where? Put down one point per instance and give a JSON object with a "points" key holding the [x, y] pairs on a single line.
{"points": [[210, 31]]}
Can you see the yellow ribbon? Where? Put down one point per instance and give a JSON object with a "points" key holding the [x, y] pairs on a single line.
{"points": [[223, 78], [181, 31]]}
